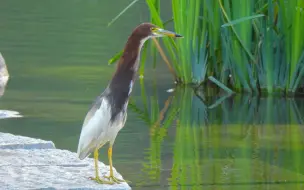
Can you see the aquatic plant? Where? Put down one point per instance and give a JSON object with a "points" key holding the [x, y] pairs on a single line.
{"points": [[249, 46]]}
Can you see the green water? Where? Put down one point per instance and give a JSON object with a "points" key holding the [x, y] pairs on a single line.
{"points": [[57, 54]]}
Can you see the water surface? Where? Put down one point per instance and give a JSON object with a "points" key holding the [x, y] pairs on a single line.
{"points": [[57, 54]]}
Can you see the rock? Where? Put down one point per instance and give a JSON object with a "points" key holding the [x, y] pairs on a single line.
{"points": [[4, 76], [9, 141], [4, 114], [39, 167], [51, 169]]}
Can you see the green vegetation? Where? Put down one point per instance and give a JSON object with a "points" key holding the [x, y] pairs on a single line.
{"points": [[209, 147], [248, 46]]}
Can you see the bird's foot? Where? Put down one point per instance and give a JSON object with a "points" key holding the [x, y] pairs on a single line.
{"points": [[101, 181], [113, 179]]}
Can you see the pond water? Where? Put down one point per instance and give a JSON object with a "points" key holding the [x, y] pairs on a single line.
{"points": [[57, 53]]}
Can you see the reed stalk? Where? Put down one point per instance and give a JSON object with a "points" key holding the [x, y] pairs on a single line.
{"points": [[243, 46]]}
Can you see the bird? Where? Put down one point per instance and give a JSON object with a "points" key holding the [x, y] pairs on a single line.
{"points": [[108, 113]]}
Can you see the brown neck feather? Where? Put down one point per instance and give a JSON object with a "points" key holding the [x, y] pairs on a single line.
{"points": [[120, 87], [123, 79], [130, 59], [126, 67], [130, 54]]}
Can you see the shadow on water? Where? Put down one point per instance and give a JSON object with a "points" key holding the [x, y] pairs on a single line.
{"points": [[238, 142]]}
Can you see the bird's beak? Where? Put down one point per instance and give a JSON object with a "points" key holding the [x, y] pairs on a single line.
{"points": [[163, 32]]}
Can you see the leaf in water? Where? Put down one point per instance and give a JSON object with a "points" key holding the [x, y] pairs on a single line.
{"points": [[115, 57], [219, 101], [221, 85], [242, 20]]}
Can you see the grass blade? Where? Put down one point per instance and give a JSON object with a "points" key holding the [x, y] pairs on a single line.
{"points": [[237, 21]]}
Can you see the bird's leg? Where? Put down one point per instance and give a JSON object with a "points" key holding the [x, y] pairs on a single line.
{"points": [[111, 177], [96, 178]]}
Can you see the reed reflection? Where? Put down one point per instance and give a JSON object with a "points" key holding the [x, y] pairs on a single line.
{"points": [[238, 142]]}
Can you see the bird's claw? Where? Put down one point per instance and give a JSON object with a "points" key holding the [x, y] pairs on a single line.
{"points": [[100, 181], [113, 179]]}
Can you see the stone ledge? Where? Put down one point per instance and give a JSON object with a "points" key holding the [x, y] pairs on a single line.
{"points": [[5, 114], [9, 141], [52, 168]]}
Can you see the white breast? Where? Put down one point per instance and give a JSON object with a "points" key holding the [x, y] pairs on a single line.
{"points": [[98, 128]]}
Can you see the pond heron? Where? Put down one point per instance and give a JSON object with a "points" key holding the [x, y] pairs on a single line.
{"points": [[108, 113]]}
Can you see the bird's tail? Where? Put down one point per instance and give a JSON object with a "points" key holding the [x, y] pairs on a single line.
{"points": [[86, 144], [82, 154]]}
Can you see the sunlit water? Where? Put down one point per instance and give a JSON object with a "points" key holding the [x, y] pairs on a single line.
{"points": [[57, 54]]}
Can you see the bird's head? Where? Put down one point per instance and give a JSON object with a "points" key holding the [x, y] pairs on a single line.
{"points": [[148, 30]]}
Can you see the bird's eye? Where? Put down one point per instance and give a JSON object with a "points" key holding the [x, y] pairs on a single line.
{"points": [[153, 29]]}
